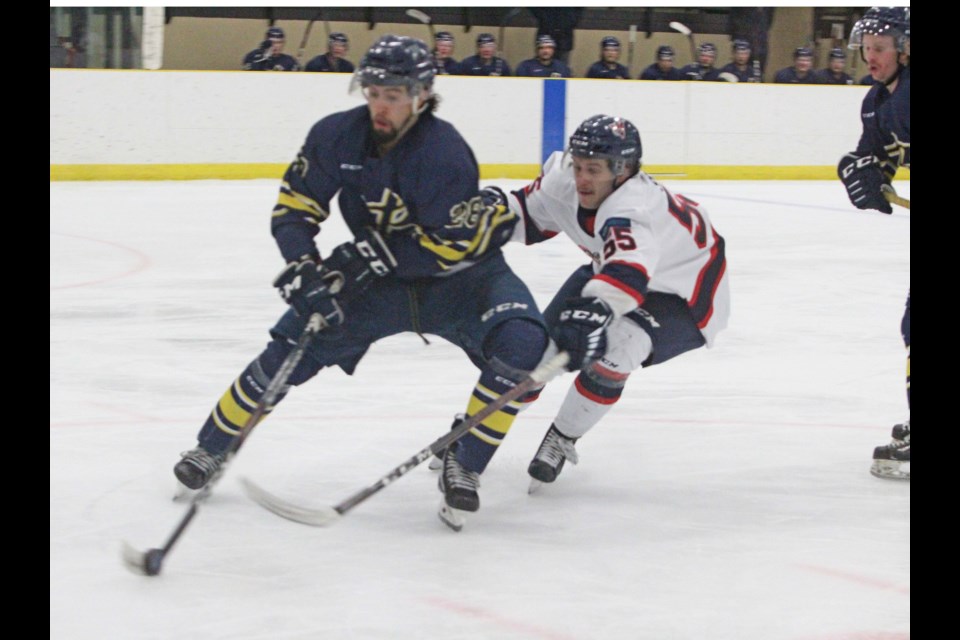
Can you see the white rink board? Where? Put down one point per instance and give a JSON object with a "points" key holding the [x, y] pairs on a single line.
{"points": [[190, 117]]}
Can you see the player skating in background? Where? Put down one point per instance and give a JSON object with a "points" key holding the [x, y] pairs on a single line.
{"points": [[883, 38], [656, 285], [426, 258]]}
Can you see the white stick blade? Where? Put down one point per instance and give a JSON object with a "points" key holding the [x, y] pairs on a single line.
{"points": [[321, 517], [133, 559], [418, 15], [682, 28]]}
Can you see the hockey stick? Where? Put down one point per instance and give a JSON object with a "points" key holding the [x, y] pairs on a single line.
{"points": [[503, 29], [416, 14], [630, 48], [893, 198], [328, 515], [150, 562], [685, 30], [306, 36]]}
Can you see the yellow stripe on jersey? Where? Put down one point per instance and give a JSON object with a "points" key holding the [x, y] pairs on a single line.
{"points": [[290, 199], [453, 251]]}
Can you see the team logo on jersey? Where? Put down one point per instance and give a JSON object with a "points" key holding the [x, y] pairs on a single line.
{"points": [[390, 211]]}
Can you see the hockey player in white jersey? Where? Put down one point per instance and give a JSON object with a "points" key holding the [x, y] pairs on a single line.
{"points": [[656, 285]]}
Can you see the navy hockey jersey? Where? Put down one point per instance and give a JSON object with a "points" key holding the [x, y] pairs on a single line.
{"points": [[423, 194], [886, 125]]}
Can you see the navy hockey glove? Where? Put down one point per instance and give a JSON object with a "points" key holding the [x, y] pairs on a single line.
{"points": [[311, 288], [493, 196], [362, 261], [864, 180], [582, 330]]}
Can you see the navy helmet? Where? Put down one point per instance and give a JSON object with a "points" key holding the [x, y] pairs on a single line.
{"points": [[443, 36], [546, 41], [665, 52], [741, 45], [395, 61], [883, 21], [485, 38], [275, 33], [610, 43], [608, 138], [338, 38], [802, 52], [837, 54], [707, 48]]}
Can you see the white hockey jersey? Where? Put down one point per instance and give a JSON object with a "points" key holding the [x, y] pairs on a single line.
{"points": [[643, 238]]}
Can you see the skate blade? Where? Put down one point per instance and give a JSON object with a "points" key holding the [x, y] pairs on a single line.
{"points": [[889, 470], [534, 486], [453, 518], [435, 464]]}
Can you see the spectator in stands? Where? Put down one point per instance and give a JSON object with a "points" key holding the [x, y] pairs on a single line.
{"points": [[802, 70], [269, 55], [333, 61], [443, 62], [485, 63], [752, 24], [558, 23], [607, 66], [740, 69], [544, 65], [663, 68], [834, 73], [703, 68]]}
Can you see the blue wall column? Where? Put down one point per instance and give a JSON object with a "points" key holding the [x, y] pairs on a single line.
{"points": [[554, 115]]}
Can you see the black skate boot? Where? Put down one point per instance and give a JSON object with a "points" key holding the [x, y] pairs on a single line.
{"points": [[546, 465], [436, 462], [459, 487], [893, 460], [197, 466]]}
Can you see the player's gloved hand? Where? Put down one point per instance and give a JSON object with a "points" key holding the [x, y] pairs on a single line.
{"points": [[310, 288], [582, 330], [862, 177], [493, 196], [363, 260]]}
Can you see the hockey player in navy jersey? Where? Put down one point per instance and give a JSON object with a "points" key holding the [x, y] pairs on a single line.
{"points": [[333, 61], [740, 69], [656, 285], [486, 62], [607, 66], [663, 68], [426, 258], [703, 68], [269, 56], [443, 61], [883, 38], [544, 64]]}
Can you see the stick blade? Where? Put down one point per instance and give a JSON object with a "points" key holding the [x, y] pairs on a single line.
{"points": [[322, 517], [142, 563], [416, 14], [682, 28]]}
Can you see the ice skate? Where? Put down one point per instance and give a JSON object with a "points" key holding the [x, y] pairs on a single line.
{"points": [[893, 460], [555, 449], [459, 487], [197, 466], [436, 462]]}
